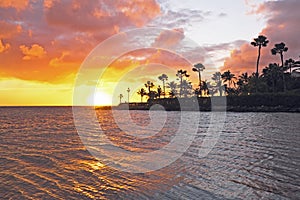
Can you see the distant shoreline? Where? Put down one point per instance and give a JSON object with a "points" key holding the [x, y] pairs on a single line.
{"points": [[244, 103], [251, 103]]}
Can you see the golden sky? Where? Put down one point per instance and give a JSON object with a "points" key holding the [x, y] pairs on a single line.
{"points": [[44, 43]]}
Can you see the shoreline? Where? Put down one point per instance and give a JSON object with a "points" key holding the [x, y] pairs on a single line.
{"points": [[251, 103]]}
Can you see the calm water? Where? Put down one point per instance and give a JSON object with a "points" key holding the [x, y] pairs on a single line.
{"points": [[42, 157]]}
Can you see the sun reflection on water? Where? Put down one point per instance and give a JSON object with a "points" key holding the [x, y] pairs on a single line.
{"points": [[42, 157]]}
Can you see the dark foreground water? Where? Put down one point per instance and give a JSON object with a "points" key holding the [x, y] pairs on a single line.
{"points": [[257, 156]]}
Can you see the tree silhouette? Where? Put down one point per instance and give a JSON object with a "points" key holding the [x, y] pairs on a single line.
{"points": [[244, 77], [272, 73], [198, 68], [152, 94], [211, 88], [173, 89], [163, 78], [217, 78], [142, 93], [120, 97], [128, 90], [204, 87], [159, 91], [290, 63], [186, 88], [229, 78], [149, 85], [181, 74], [279, 49], [260, 41], [243, 86]]}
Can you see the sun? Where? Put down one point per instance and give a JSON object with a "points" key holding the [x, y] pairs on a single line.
{"points": [[99, 99]]}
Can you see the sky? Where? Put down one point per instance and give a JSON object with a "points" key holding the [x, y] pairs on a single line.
{"points": [[45, 44]]}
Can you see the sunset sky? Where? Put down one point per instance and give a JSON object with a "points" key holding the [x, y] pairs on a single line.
{"points": [[44, 43]]}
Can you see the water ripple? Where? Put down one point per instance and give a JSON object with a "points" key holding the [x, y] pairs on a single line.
{"points": [[42, 157]]}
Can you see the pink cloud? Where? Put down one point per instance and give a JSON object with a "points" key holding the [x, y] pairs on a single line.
{"points": [[27, 28], [169, 38], [4, 47], [102, 15], [282, 26], [35, 51], [17, 4], [8, 30]]}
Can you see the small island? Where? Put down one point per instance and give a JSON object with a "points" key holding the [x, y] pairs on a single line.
{"points": [[275, 89]]}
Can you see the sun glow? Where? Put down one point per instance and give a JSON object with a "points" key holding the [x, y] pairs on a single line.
{"points": [[99, 99]]}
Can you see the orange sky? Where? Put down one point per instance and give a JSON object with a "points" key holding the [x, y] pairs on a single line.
{"points": [[44, 43]]}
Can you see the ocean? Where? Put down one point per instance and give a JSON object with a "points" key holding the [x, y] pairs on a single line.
{"points": [[44, 154]]}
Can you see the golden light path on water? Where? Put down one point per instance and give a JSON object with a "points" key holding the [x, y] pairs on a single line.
{"points": [[42, 157]]}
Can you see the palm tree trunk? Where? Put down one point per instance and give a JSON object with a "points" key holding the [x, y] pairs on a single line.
{"points": [[283, 78], [180, 92], [200, 83], [164, 88], [257, 63]]}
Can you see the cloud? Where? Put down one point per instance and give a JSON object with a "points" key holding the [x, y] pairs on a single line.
{"points": [[65, 60], [282, 25], [60, 26], [8, 29], [146, 64], [35, 51], [17, 4], [178, 18], [4, 47], [224, 46], [169, 38], [102, 15], [222, 14]]}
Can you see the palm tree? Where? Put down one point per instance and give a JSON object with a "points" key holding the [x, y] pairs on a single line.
{"points": [[211, 88], [198, 68], [229, 78], [152, 94], [181, 74], [128, 90], [173, 88], [272, 73], [204, 87], [149, 85], [142, 93], [159, 91], [243, 83], [163, 78], [121, 96], [186, 88], [290, 64], [260, 41], [280, 48], [254, 84], [217, 77], [244, 77]]}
